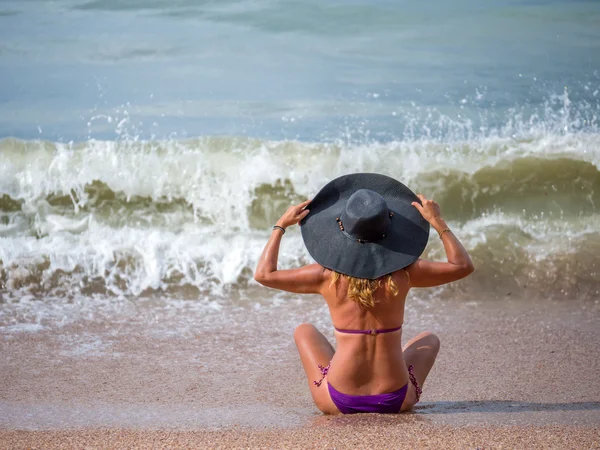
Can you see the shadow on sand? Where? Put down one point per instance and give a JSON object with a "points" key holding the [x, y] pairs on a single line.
{"points": [[500, 406], [421, 412]]}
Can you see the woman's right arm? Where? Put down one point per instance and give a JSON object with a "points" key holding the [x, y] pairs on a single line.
{"points": [[305, 280], [425, 273]]}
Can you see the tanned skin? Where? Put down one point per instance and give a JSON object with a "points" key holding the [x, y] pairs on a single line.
{"points": [[364, 364]]}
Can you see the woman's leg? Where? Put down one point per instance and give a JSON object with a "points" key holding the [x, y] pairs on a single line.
{"points": [[421, 352], [315, 350]]}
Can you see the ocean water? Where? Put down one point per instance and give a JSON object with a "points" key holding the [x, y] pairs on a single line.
{"points": [[146, 147]]}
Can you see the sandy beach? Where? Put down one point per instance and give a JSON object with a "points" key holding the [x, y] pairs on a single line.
{"points": [[511, 374], [364, 433], [147, 148]]}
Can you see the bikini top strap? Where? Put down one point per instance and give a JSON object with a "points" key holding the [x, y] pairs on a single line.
{"points": [[373, 332]]}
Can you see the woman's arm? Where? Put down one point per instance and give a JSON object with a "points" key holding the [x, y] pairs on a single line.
{"points": [[307, 279], [425, 273]]}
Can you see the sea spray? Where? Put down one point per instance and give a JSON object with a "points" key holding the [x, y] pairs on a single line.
{"points": [[128, 218]]}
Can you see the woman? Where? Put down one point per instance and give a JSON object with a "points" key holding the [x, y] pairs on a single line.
{"points": [[366, 233]]}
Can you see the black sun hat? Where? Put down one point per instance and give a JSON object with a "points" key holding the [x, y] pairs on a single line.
{"points": [[364, 225]]}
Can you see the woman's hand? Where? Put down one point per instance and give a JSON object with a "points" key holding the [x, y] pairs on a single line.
{"points": [[293, 215], [429, 209], [425, 273], [309, 279]]}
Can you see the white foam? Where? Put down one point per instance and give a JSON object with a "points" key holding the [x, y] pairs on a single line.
{"points": [[21, 328], [219, 179], [194, 224]]}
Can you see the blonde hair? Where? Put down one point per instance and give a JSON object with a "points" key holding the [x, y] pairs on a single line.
{"points": [[361, 290]]}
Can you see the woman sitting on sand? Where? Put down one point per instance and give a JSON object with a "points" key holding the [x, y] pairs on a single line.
{"points": [[366, 232]]}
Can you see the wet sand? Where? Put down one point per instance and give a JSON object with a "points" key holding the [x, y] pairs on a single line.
{"points": [[510, 374]]}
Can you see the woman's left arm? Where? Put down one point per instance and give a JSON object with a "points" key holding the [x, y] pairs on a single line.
{"points": [[305, 280]]}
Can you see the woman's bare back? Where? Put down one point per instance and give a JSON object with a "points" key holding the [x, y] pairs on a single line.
{"points": [[367, 364]]}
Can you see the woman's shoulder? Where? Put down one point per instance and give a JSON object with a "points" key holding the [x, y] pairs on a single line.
{"points": [[400, 276]]}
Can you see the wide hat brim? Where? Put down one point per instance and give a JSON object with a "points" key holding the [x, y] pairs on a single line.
{"points": [[335, 250]]}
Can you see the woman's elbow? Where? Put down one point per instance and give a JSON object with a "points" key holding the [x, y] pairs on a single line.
{"points": [[467, 269], [261, 278]]}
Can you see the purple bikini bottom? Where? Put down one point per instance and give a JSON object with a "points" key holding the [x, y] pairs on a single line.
{"points": [[388, 403]]}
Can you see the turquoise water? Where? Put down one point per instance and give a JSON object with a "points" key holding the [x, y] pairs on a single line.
{"points": [[357, 70]]}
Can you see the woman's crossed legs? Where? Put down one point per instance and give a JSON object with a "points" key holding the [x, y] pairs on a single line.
{"points": [[315, 350]]}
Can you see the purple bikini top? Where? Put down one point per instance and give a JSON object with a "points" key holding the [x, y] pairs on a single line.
{"points": [[373, 332]]}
